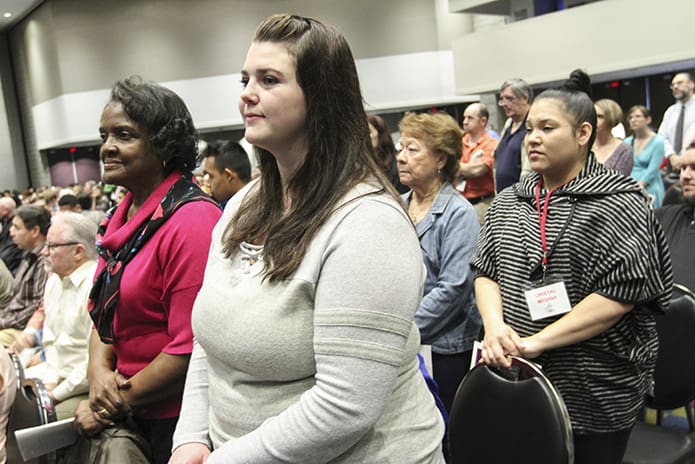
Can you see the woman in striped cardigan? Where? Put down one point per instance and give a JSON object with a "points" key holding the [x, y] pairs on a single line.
{"points": [[570, 267]]}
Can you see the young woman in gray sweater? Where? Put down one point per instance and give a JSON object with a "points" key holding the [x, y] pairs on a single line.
{"points": [[305, 341]]}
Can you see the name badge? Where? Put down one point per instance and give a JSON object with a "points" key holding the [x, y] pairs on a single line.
{"points": [[548, 300]]}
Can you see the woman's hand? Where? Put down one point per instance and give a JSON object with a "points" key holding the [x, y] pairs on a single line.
{"points": [[501, 342], [531, 347], [105, 398], [87, 422], [190, 453]]}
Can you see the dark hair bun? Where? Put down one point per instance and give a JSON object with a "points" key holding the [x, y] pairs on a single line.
{"points": [[579, 81]]}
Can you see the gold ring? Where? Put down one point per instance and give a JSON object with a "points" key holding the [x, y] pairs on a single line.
{"points": [[102, 411]]}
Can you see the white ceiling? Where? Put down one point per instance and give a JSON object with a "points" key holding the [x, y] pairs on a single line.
{"points": [[18, 9]]}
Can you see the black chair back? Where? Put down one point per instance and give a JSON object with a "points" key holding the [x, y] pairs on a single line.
{"points": [[32, 406], [674, 385], [674, 376], [502, 417]]}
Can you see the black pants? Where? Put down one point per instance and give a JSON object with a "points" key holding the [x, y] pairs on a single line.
{"points": [[159, 434], [600, 448], [449, 370]]}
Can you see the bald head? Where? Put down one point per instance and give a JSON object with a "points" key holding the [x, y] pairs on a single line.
{"points": [[475, 118], [7, 206]]}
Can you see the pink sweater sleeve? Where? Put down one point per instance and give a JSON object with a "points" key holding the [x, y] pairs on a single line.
{"points": [[185, 254]]}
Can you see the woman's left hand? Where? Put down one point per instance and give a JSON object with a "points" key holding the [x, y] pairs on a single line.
{"points": [[87, 422], [105, 398], [531, 347], [190, 453]]}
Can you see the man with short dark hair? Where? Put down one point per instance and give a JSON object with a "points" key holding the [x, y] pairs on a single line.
{"points": [[28, 230], [69, 202], [678, 222], [227, 170], [477, 162], [511, 162]]}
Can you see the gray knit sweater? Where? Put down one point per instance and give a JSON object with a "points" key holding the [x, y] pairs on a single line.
{"points": [[319, 368]]}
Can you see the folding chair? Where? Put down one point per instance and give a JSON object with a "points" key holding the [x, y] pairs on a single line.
{"points": [[503, 416]]}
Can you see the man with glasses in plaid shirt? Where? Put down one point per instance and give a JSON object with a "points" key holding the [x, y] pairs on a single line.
{"points": [[28, 230]]}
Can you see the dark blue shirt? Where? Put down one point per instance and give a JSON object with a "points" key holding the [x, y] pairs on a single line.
{"points": [[508, 157]]}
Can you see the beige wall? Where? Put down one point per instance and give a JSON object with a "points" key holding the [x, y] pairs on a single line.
{"points": [[76, 45], [601, 37], [13, 171], [68, 53], [38, 46]]}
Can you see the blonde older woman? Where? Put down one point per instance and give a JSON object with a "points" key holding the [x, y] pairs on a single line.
{"points": [[608, 150], [447, 226]]}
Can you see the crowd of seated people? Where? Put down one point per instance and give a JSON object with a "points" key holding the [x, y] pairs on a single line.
{"points": [[49, 238], [304, 348]]}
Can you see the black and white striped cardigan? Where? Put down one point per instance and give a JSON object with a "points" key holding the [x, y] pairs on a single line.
{"points": [[602, 238]]}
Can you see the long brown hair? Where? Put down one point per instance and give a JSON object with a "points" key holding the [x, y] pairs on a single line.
{"points": [[385, 151], [339, 149]]}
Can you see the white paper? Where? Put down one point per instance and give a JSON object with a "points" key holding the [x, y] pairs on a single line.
{"points": [[477, 354], [41, 439]]}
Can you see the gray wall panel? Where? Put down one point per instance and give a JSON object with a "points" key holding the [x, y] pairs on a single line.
{"points": [[75, 45]]}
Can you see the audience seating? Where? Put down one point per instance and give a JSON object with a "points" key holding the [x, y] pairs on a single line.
{"points": [[674, 381], [32, 406], [514, 415]]}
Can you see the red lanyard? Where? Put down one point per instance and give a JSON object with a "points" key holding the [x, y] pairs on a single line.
{"points": [[542, 219]]}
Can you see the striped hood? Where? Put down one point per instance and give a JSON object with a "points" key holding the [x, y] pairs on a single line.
{"points": [[593, 179]]}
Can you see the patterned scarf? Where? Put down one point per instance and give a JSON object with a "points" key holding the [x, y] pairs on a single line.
{"points": [[103, 299]]}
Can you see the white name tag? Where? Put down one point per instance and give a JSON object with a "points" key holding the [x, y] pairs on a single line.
{"points": [[547, 301]]}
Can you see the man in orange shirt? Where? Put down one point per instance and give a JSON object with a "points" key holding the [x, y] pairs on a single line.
{"points": [[476, 177]]}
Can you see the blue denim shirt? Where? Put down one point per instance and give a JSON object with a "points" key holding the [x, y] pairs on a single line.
{"points": [[448, 316]]}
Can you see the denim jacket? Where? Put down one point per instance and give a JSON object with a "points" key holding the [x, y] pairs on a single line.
{"points": [[448, 316]]}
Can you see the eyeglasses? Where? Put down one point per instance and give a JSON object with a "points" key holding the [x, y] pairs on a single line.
{"points": [[51, 246], [505, 98]]}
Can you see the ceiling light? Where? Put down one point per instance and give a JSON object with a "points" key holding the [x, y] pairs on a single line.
{"points": [[7, 15]]}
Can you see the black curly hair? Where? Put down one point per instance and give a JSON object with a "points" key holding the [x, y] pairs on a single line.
{"points": [[165, 118]]}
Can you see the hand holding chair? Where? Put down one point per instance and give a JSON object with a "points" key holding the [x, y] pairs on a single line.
{"points": [[505, 416]]}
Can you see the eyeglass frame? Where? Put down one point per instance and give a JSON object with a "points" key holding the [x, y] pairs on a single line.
{"points": [[506, 98], [52, 246]]}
